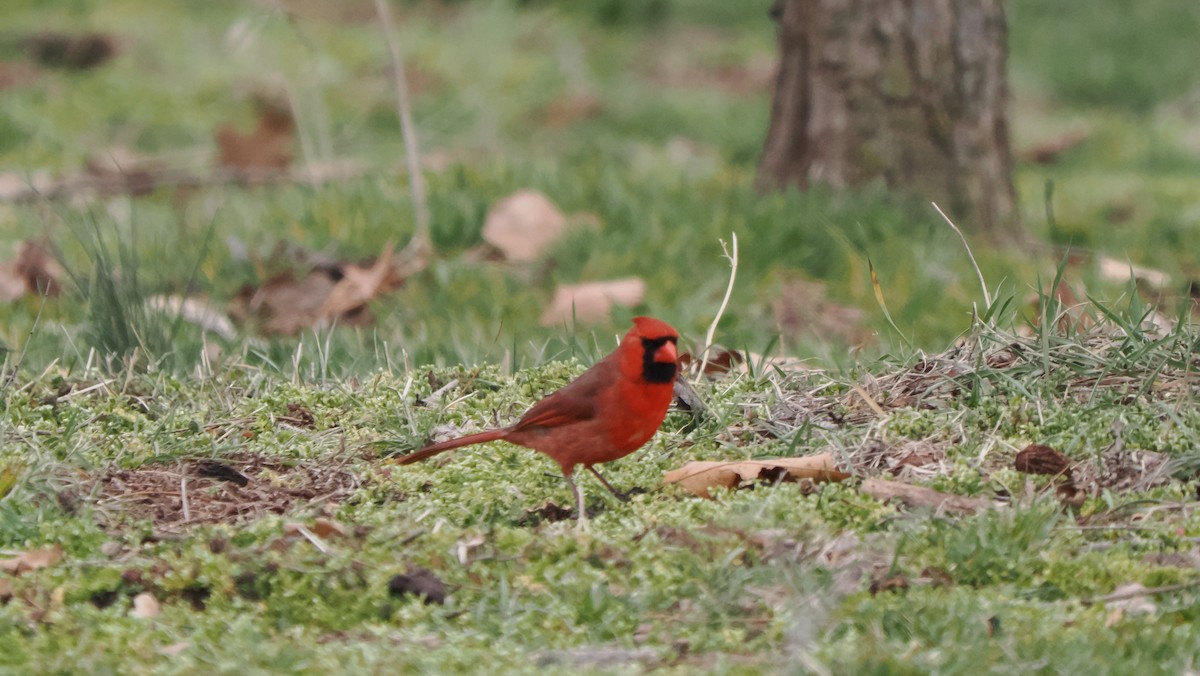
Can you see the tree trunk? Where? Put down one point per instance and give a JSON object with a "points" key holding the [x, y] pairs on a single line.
{"points": [[912, 92]]}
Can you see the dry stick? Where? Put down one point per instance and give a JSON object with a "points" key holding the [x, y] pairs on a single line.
{"points": [[987, 297], [1134, 593], [732, 255], [421, 241], [187, 512], [160, 178], [312, 537]]}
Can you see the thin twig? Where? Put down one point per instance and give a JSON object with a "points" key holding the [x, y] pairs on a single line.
{"points": [[183, 498], [1135, 593], [312, 537], [987, 297], [67, 188], [421, 241], [731, 254]]}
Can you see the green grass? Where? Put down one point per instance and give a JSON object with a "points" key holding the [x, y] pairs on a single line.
{"points": [[764, 580], [756, 580]]}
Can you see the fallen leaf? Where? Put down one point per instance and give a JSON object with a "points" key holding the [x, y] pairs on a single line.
{"points": [[1041, 459], [194, 311], [357, 286], [331, 291], [1047, 151], [145, 606], [802, 306], [75, 52], [548, 512], [885, 582], [1133, 599], [288, 304], [699, 476], [12, 283], [325, 528], [566, 111], [16, 74], [32, 559], [1114, 618], [720, 360], [174, 649], [119, 170], [1119, 271], [9, 475], [215, 469], [33, 271], [592, 302], [40, 270], [921, 497], [686, 396], [267, 148], [299, 416], [523, 225], [17, 186], [421, 582]]}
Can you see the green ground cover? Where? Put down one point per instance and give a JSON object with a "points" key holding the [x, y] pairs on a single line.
{"points": [[96, 436]]}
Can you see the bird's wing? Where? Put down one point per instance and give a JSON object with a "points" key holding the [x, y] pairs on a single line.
{"points": [[574, 403]]}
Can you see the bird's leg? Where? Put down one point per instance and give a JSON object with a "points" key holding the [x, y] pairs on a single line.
{"points": [[582, 523], [623, 497]]}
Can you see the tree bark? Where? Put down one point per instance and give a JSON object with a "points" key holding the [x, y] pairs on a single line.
{"points": [[910, 92]]}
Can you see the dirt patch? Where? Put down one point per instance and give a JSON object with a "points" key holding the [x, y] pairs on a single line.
{"points": [[191, 492]]}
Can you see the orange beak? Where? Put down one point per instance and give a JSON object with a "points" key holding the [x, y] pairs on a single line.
{"points": [[666, 354]]}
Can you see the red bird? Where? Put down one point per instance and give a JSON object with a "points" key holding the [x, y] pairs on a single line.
{"points": [[606, 413]]}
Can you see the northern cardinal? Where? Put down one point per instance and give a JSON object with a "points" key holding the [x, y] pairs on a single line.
{"points": [[606, 413]]}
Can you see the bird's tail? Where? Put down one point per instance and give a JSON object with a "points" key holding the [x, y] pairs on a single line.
{"points": [[450, 445]]}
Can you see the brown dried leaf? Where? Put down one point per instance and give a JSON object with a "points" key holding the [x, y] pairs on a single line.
{"points": [[1041, 459], [1047, 151], [194, 311], [357, 286], [32, 559], [74, 52], [290, 304], [326, 528], [145, 606], [332, 290], [16, 74], [699, 476], [523, 225], [40, 270], [920, 497], [266, 148], [12, 283], [592, 302], [174, 649], [720, 360], [421, 582], [1119, 271], [300, 416], [803, 307], [34, 271], [566, 111]]}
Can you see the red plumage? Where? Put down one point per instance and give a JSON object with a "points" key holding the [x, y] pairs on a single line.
{"points": [[608, 412]]}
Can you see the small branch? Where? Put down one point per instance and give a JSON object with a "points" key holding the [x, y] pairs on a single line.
{"points": [[421, 241], [1143, 591], [921, 497], [987, 297], [139, 181], [731, 254], [183, 498], [312, 537]]}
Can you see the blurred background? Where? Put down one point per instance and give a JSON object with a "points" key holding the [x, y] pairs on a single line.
{"points": [[224, 181]]}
